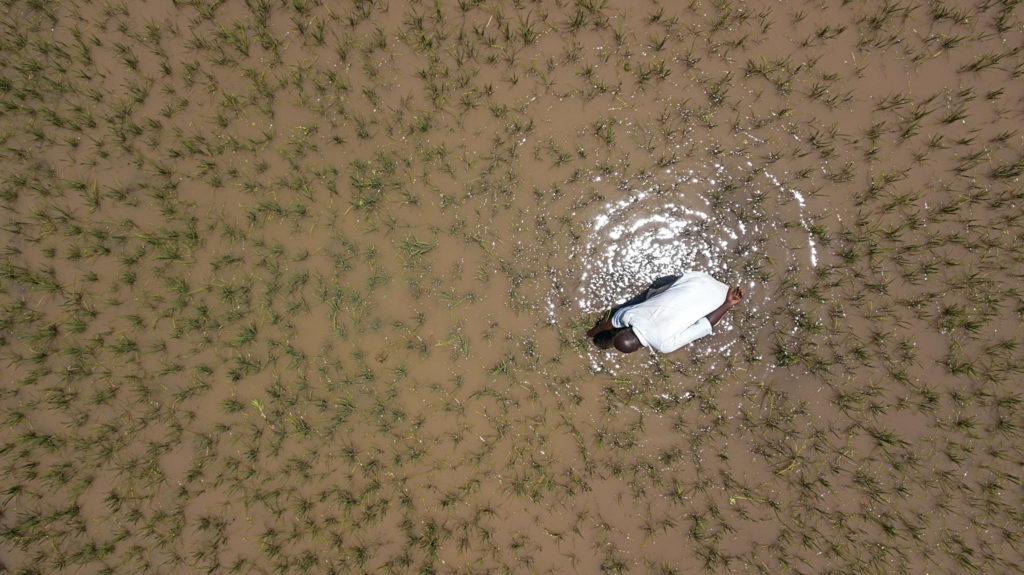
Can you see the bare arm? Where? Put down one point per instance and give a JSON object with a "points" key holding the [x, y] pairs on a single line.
{"points": [[734, 297], [604, 325]]}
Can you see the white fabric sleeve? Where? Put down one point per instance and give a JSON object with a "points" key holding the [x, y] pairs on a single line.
{"points": [[618, 317], [698, 329]]}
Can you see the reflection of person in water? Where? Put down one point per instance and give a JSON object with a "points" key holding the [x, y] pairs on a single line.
{"points": [[671, 313]]}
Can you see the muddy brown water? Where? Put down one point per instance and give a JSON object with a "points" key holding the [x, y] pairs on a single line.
{"points": [[302, 287]]}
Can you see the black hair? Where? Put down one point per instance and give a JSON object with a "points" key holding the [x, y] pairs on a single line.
{"points": [[604, 339]]}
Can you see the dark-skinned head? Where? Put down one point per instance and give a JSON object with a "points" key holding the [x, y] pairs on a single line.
{"points": [[626, 341]]}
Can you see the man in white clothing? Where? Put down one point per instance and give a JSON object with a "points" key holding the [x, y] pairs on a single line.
{"points": [[668, 316]]}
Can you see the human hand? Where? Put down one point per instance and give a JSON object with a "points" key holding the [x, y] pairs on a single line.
{"points": [[735, 296]]}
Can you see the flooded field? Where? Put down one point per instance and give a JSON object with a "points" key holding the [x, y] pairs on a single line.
{"points": [[302, 286]]}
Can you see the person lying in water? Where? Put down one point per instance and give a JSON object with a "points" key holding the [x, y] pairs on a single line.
{"points": [[671, 313]]}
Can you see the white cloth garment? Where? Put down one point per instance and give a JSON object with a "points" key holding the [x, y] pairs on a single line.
{"points": [[676, 315]]}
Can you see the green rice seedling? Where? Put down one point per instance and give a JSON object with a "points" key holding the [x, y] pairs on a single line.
{"points": [[414, 249], [44, 280], [955, 115], [232, 405], [1008, 171], [985, 61]]}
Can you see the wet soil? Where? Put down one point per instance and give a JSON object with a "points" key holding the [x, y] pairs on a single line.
{"points": [[302, 287]]}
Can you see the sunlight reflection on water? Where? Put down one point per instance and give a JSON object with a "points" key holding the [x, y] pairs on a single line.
{"points": [[681, 221], [660, 228]]}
